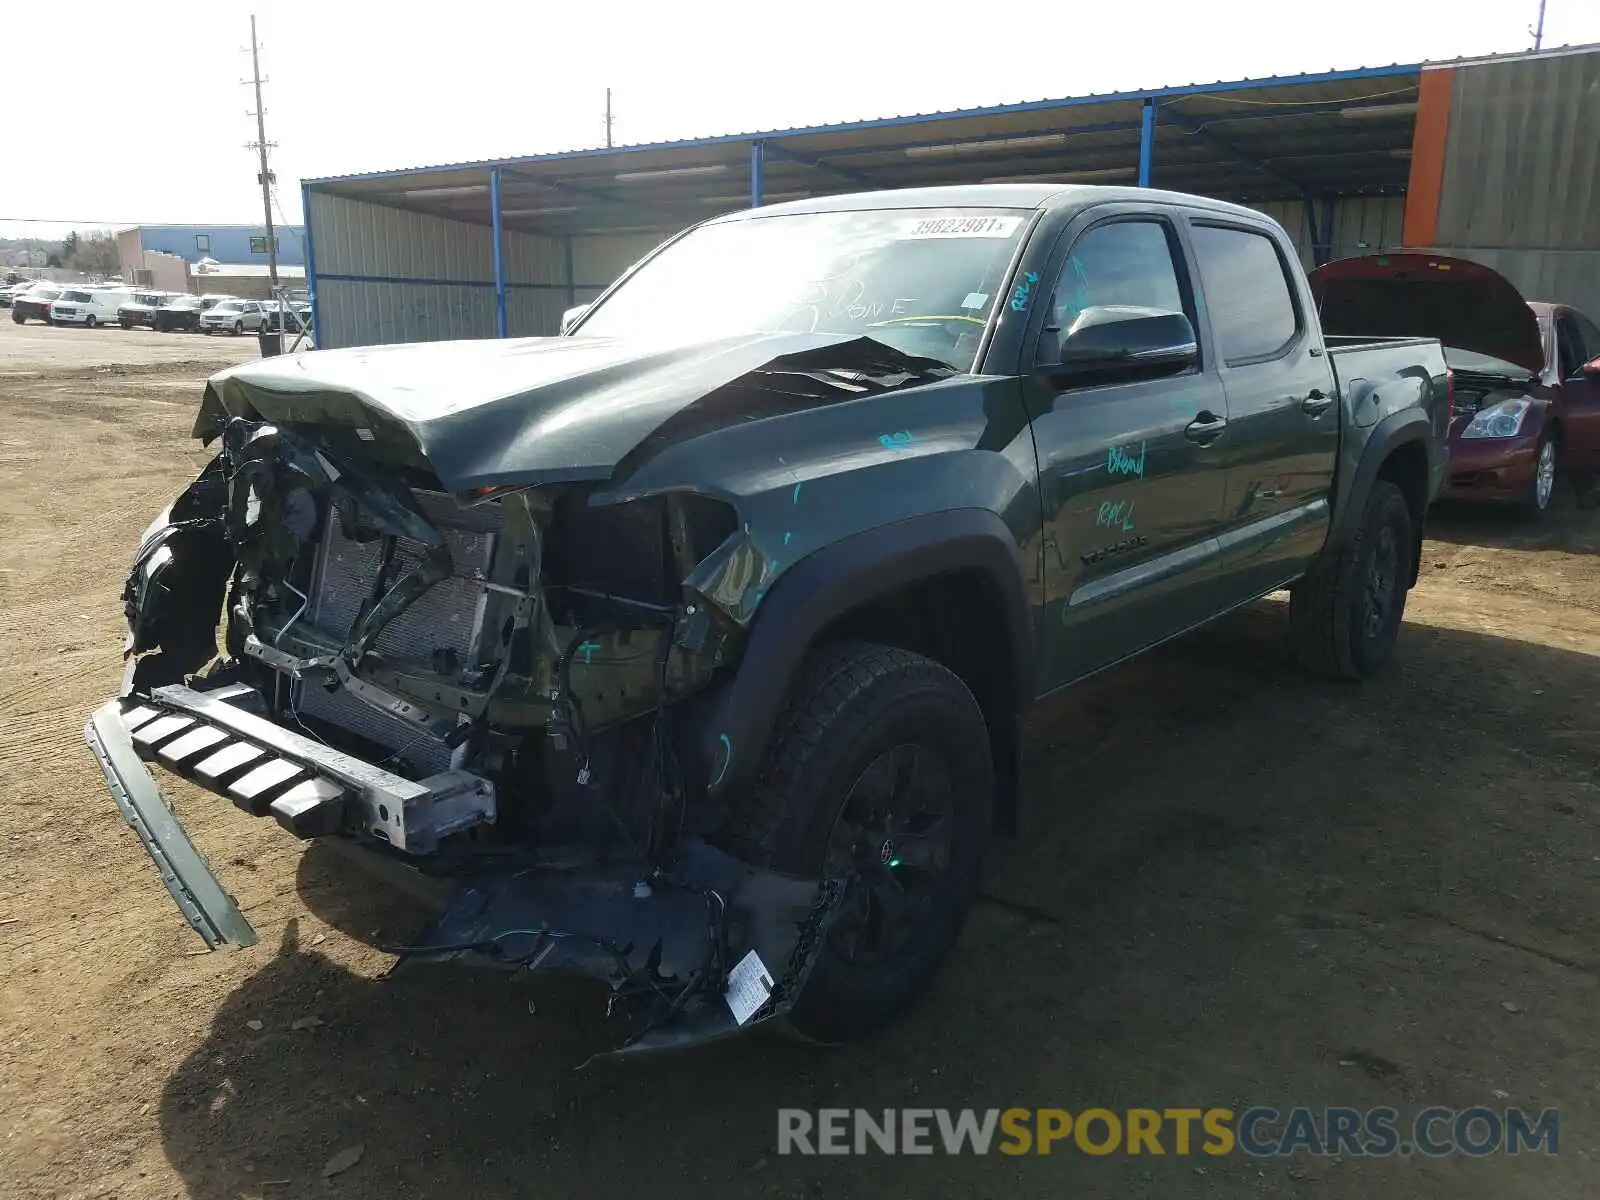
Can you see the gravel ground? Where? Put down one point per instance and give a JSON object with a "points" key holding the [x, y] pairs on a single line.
{"points": [[1252, 887]]}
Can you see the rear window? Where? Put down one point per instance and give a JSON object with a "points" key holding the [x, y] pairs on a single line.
{"points": [[76, 297], [1246, 290]]}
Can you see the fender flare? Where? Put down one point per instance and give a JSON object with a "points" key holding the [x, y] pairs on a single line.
{"points": [[1394, 431], [833, 581]]}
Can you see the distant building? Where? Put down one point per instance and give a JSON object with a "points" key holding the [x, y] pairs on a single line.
{"points": [[179, 258]]}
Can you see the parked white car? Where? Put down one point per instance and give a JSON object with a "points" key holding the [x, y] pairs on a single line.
{"points": [[88, 306], [233, 316]]}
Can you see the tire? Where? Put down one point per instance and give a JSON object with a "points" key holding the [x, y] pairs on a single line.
{"points": [[238, 328], [1547, 477], [19, 318], [1343, 616], [868, 731], [89, 322], [126, 324]]}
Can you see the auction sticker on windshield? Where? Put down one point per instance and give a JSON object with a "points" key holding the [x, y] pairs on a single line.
{"points": [[961, 227]]}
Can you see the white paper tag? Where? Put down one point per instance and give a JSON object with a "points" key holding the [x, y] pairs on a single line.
{"points": [[364, 434], [749, 987], [975, 300], [961, 227]]}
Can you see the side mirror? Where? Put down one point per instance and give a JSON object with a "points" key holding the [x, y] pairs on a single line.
{"points": [[1592, 368], [1119, 339], [572, 316]]}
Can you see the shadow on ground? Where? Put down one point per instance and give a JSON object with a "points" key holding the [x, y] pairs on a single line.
{"points": [[1573, 524], [1254, 887]]}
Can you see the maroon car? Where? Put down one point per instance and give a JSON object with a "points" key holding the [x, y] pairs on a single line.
{"points": [[34, 303], [1526, 401]]}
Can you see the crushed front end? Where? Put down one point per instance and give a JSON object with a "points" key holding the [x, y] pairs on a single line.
{"points": [[494, 686]]}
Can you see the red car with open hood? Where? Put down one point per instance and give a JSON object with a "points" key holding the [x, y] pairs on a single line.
{"points": [[1526, 403]]}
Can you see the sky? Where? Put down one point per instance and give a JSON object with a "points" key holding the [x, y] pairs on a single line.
{"points": [[120, 115]]}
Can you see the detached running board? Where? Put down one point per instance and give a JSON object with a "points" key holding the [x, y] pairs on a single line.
{"points": [[209, 910]]}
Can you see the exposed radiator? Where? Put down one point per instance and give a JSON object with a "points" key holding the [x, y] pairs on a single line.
{"points": [[446, 617]]}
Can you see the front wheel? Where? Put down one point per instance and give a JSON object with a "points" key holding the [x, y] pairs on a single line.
{"points": [[1546, 476], [89, 322], [1345, 615], [879, 776], [19, 318], [238, 328]]}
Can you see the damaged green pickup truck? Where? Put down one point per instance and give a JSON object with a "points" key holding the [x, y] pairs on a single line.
{"points": [[688, 649]]}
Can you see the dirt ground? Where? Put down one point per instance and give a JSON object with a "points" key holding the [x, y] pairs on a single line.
{"points": [[1254, 888]]}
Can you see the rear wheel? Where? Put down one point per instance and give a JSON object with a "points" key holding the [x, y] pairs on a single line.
{"points": [[19, 318], [879, 776], [1345, 615]]}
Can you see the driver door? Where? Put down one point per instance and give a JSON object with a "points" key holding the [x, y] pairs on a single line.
{"points": [[1131, 474]]}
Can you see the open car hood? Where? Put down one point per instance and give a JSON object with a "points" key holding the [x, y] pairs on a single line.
{"points": [[538, 410], [1464, 304]]}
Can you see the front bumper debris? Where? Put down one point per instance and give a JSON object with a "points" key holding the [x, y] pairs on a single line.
{"points": [[664, 942], [209, 910]]}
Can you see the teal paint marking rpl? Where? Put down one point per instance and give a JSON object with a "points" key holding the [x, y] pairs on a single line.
{"points": [[1020, 293], [897, 441], [1115, 514]]}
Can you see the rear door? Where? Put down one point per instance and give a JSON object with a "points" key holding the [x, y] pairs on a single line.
{"points": [[1283, 410], [1130, 473], [1580, 392]]}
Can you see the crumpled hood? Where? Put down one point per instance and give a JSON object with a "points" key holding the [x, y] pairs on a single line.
{"points": [[526, 410], [1464, 304]]}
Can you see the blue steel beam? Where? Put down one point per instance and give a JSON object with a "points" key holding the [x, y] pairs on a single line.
{"points": [[1195, 89], [758, 162], [1147, 140], [499, 253]]}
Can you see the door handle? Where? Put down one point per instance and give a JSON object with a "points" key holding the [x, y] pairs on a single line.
{"points": [[1316, 403], [1206, 428]]}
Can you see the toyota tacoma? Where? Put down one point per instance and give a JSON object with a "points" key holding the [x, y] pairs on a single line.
{"points": [[688, 650]]}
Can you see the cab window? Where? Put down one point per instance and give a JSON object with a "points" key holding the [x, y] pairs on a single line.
{"points": [[1247, 292]]}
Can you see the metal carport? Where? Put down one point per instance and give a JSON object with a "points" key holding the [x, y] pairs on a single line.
{"points": [[501, 248]]}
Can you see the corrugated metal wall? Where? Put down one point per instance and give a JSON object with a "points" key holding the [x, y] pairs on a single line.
{"points": [[1361, 225], [387, 275], [1521, 174], [597, 261]]}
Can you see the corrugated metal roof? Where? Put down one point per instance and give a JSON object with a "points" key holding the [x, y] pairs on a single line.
{"points": [[1196, 88], [1252, 140], [792, 131]]}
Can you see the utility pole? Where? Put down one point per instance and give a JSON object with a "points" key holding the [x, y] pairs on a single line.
{"points": [[260, 146], [608, 118], [1538, 30]]}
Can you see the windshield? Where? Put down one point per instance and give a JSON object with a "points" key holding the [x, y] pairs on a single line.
{"points": [[924, 281], [1483, 364], [185, 302], [76, 297], [227, 306]]}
